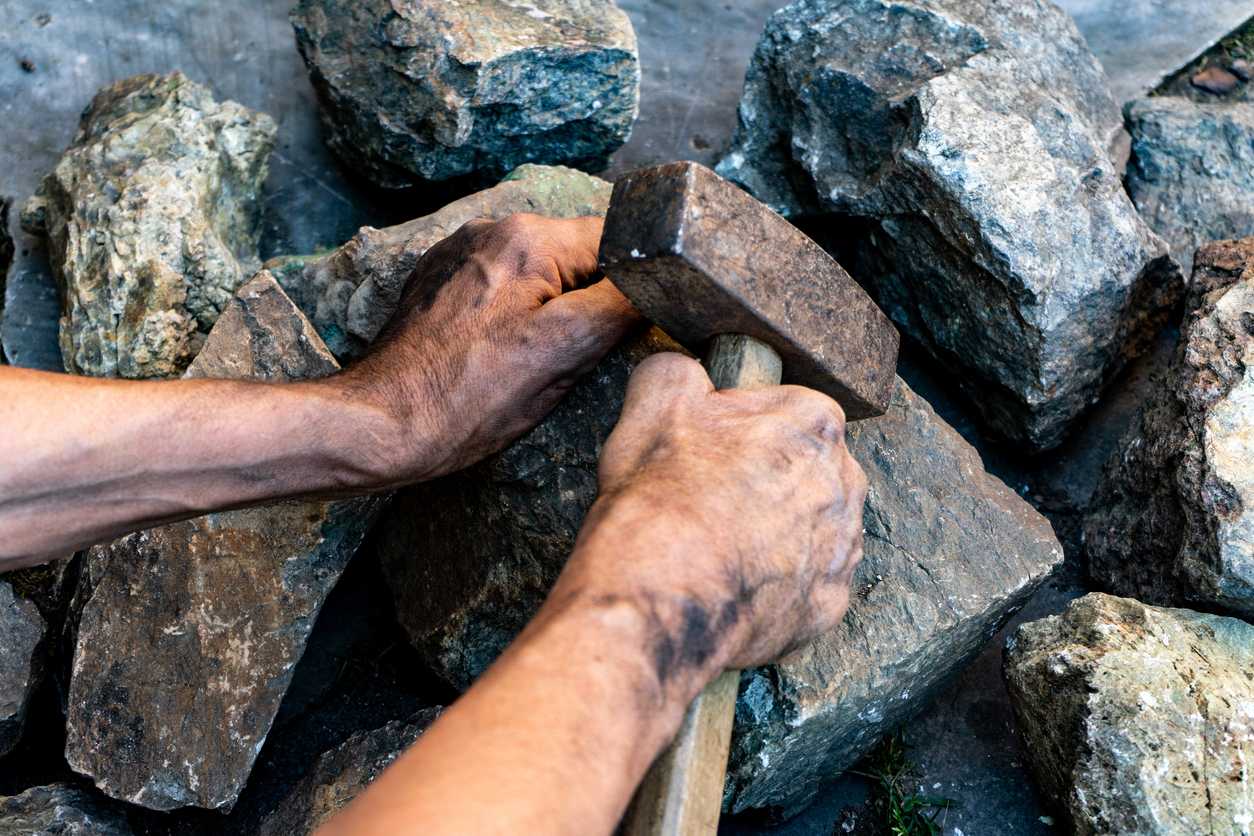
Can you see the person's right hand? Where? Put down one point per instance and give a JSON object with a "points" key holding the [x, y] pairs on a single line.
{"points": [[733, 518]]}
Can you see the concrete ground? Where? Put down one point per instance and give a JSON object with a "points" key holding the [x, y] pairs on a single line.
{"points": [[693, 56]]}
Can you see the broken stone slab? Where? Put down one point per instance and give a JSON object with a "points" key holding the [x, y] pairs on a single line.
{"points": [[6, 257], [950, 553], [188, 634], [23, 662], [1142, 42], [153, 217], [340, 774], [1137, 719], [965, 157], [350, 293], [58, 809], [1192, 171], [413, 90], [1173, 517]]}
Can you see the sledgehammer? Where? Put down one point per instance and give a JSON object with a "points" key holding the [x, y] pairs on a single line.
{"points": [[722, 273]]}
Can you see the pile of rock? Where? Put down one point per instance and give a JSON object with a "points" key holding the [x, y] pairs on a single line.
{"points": [[964, 158]]}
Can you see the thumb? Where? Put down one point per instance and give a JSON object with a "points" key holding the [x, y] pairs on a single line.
{"points": [[581, 326]]}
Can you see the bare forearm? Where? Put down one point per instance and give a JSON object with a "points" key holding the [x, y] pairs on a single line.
{"points": [[86, 460]]}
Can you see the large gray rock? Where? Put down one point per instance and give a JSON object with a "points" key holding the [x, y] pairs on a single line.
{"points": [[58, 810], [950, 553], [1138, 720], [350, 293], [153, 216], [23, 636], [188, 634], [1192, 170], [979, 146], [1173, 517], [412, 89], [340, 774]]}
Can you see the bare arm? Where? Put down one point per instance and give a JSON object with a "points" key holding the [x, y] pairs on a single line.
{"points": [[491, 331], [671, 582]]}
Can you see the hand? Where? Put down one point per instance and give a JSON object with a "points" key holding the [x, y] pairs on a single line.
{"points": [[491, 331], [733, 518]]}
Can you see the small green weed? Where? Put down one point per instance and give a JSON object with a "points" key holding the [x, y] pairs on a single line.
{"points": [[899, 812]]}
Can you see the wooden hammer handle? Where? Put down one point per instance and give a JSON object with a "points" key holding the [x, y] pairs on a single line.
{"points": [[682, 793]]}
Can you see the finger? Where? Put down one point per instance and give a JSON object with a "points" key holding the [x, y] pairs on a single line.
{"points": [[660, 380], [579, 240], [578, 328], [562, 251]]}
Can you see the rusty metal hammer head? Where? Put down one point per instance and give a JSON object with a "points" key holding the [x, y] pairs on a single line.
{"points": [[700, 257]]}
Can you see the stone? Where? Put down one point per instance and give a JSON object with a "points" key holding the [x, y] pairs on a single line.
{"points": [[1143, 42], [413, 90], [153, 217], [1215, 80], [340, 774], [1192, 171], [61, 810], [350, 293], [23, 662], [1243, 69], [1137, 719], [188, 634], [965, 157], [1173, 516], [951, 552]]}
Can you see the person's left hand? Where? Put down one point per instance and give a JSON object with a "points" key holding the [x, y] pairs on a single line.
{"points": [[493, 327]]}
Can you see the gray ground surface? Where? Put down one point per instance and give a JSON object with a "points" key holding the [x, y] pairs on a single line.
{"points": [[693, 56], [1142, 42]]}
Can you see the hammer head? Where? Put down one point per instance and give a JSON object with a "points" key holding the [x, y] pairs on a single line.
{"points": [[700, 257]]}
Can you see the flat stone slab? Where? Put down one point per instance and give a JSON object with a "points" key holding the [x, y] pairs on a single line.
{"points": [[1141, 42]]}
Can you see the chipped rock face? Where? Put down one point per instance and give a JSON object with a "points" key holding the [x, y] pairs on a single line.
{"points": [[1192, 170], [23, 633], [61, 810], [188, 634], [153, 217], [428, 90], [6, 256], [950, 554], [340, 774], [470, 557], [968, 157], [1137, 719], [350, 293], [1173, 519]]}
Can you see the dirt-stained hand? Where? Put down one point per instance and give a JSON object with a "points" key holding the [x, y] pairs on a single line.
{"points": [[494, 326], [733, 517]]}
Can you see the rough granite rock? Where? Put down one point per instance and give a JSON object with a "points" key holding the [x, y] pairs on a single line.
{"points": [[1173, 518], [188, 634], [950, 553], [341, 773], [23, 634], [60, 810], [350, 293], [153, 217], [978, 148], [1192, 170], [426, 89], [1137, 720]]}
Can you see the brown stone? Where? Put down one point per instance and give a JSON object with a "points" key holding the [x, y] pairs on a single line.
{"points": [[60, 810], [1215, 80], [340, 774], [1173, 517], [188, 634]]}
